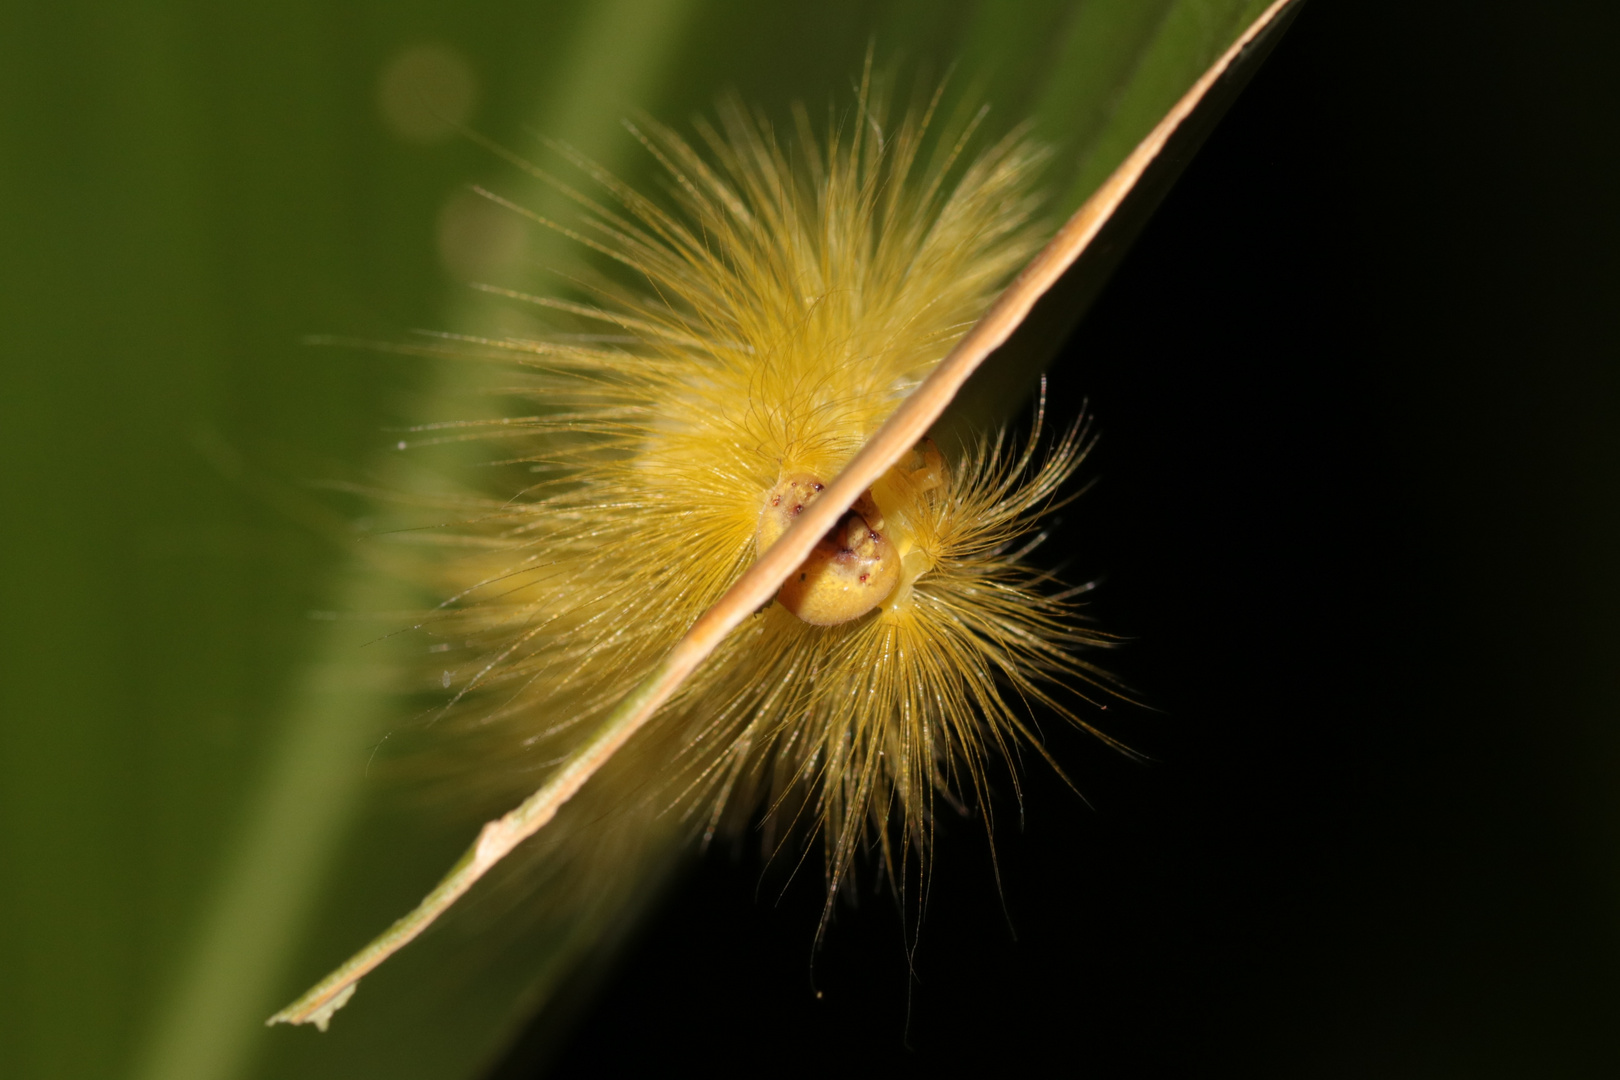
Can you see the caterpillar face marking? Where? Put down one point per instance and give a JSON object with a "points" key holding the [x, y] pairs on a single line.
{"points": [[853, 568]]}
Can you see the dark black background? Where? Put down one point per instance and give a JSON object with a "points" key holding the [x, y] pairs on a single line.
{"points": [[1358, 393]]}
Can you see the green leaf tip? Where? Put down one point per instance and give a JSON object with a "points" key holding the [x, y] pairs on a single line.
{"points": [[322, 1016]]}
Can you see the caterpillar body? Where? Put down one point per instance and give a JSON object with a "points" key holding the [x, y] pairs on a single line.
{"points": [[766, 318]]}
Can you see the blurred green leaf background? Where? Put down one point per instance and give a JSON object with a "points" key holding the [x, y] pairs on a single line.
{"points": [[189, 702]]}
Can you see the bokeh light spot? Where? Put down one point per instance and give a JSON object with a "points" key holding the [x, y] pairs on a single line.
{"points": [[425, 92]]}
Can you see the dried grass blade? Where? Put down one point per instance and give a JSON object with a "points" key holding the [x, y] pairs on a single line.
{"points": [[904, 428]]}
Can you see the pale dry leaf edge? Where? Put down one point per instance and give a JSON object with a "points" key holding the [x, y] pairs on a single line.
{"points": [[904, 428]]}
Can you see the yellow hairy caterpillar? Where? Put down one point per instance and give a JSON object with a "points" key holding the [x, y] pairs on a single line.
{"points": [[786, 310], [744, 580]]}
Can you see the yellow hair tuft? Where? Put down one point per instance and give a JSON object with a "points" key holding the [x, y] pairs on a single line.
{"points": [[773, 314]]}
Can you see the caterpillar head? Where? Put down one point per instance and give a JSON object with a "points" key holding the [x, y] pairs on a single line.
{"points": [[851, 570], [861, 560]]}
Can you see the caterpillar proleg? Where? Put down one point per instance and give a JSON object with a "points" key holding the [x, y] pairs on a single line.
{"points": [[744, 558]]}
